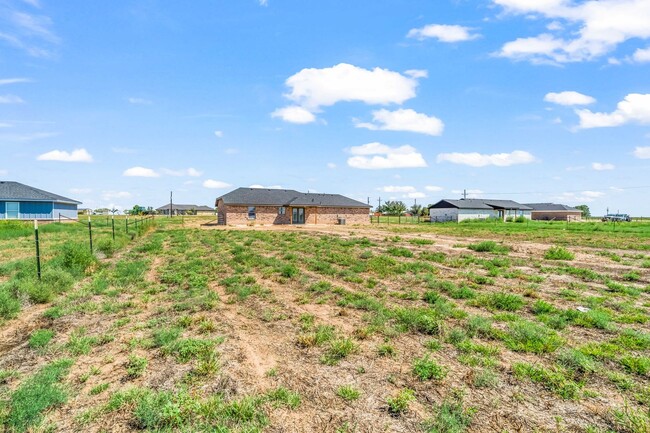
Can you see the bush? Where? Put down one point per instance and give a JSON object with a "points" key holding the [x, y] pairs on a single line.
{"points": [[76, 258], [427, 369], [489, 247], [558, 253]]}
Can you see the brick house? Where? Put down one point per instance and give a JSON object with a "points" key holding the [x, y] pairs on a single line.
{"points": [[286, 206]]}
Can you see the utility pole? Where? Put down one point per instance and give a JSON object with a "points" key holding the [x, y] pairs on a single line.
{"points": [[171, 204], [379, 200], [464, 194]]}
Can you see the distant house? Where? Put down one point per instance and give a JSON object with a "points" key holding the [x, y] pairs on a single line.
{"points": [[474, 208], [286, 206], [185, 209], [23, 202], [554, 212]]}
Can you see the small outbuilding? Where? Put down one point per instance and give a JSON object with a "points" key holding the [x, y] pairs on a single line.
{"points": [[474, 208], [554, 212], [185, 209], [286, 206], [23, 202]]}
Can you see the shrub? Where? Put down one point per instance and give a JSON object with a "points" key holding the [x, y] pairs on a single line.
{"points": [[427, 369], [489, 247], [76, 258], [558, 253], [451, 417], [400, 403]]}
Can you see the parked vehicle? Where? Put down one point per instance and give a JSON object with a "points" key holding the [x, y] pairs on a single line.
{"points": [[619, 217]]}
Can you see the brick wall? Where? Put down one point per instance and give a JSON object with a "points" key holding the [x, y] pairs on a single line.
{"points": [[238, 215]]}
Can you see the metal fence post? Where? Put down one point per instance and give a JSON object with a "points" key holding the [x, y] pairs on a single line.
{"points": [[127, 224], [90, 234], [38, 250]]}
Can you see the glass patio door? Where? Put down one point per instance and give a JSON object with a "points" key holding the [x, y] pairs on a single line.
{"points": [[298, 215], [13, 209]]}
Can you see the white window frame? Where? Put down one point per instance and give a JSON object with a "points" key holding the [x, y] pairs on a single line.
{"points": [[282, 210]]}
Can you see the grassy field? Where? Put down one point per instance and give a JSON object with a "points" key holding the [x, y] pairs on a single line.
{"points": [[431, 328]]}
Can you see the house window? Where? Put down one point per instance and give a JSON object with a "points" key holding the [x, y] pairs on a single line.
{"points": [[251, 212], [282, 210], [12, 209]]}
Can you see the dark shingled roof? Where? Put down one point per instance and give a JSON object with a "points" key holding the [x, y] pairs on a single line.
{"points": [[287, 197], [479, 203], [185, 207], [15, 191], [550, 207]]}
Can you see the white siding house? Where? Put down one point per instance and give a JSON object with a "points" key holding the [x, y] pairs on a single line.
{"points": [[468, 209]]}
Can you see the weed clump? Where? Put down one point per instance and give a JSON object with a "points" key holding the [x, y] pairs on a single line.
{"points": [[426, 368], [489, 247], [399, 404], [558, 253]]}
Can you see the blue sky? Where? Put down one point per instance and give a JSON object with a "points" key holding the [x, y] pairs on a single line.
{"points": [[117, 103]]}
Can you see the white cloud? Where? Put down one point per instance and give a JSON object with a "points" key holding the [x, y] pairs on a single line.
{"points": [[11, 99], [415, 195], [374, 156], [264, 2], [634, 108], [192, 172], [5, 81], [476, 159], [312, 88], [417, 73], [642, 152], [218, 134], [113, 195], [443, 32], [294, 114], [393, 188], [331, 165], [267, 187], [433, 188], [569, 98], [599, 166], [404, 120], [579, 197], [140, 172], [6, 125], [28, 136], [28, 32], [641, 55], [215, 184], [139, 101], [77, 155], [593, 29]]}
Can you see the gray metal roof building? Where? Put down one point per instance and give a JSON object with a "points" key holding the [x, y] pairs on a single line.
{"points": [[286, 197], [479, 203]]}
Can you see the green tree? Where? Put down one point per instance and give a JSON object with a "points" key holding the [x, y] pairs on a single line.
{"points": [[586, 213], [393, 208]]}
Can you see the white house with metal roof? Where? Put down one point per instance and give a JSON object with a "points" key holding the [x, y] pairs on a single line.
{"points": [[473, 209], [23, 202]]}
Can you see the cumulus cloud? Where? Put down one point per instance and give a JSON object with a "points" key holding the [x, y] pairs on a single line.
{"points": [[11, 99], [312, 88], [641, 55], [140, 172], [443, 32], [599, 166], [393, 188], [404, 120], [77, 155], [634, 108], [642, 152], [581, 31], [294, 114], [373, 156], [569, 98], [476, 159], [215, 184], [433, 188]]}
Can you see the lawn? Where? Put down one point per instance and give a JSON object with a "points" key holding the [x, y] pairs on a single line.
{"points": [[432, 328]]}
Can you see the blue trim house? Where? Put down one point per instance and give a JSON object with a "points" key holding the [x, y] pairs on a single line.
{"points": [[22, 202]]}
